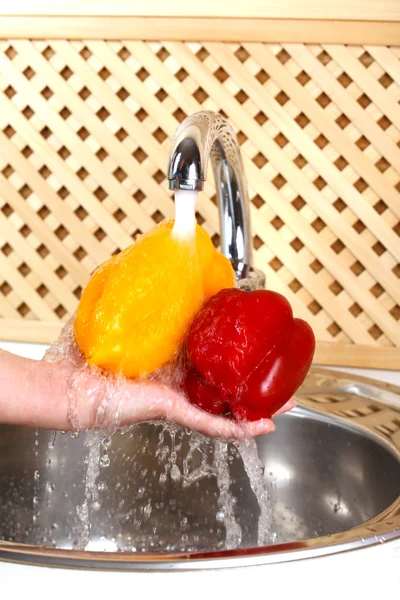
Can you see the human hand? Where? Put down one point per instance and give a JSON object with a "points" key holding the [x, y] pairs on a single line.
{"points": [[98, 400]]}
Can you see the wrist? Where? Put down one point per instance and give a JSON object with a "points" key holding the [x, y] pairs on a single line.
{"points": [[50, 395]]}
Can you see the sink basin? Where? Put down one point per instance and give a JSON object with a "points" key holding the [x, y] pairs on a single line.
{"points": [[332, 471]]}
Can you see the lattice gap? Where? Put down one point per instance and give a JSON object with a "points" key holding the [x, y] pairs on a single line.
{"points": [[85, 133]]}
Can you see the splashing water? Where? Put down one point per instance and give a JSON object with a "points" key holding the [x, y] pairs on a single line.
{"points": [[95, 442], [106, 395], [255, 472], [187, 464], [36, 479], [226, 500]]}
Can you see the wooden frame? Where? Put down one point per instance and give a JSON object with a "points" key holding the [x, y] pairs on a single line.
{"points": [[327, 353], [370, 10], [374, 22], [207, 29]]}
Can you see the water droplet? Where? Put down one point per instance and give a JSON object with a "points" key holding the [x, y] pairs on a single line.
{"points": [[175, 473], [105, 461], [101, 486], [140, 492], [147, 510], [52, 440], [36, 475], [74, 434], [220, 516], [50, 487], [107, 442]]}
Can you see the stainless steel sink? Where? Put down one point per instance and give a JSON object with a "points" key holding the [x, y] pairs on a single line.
{"points": [[332, 471]]}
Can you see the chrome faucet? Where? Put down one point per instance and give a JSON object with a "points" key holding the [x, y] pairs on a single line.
{"points": [[200, 137]]}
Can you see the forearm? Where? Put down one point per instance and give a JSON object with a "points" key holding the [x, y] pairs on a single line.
{"points": [[57, 396], [33, 393]]}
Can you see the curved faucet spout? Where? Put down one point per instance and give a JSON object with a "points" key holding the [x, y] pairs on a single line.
{"points": [[208, 136]]}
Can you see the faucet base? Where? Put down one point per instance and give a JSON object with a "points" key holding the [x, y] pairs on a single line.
{"points": [[253, 280]]}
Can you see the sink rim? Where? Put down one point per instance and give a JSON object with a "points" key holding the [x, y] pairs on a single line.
{"points": [[381, 528]]}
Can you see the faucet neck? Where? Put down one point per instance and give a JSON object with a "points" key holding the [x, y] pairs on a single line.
{"points": [[201, 137]]}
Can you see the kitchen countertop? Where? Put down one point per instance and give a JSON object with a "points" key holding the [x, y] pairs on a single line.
{"points": [[371, 572]]}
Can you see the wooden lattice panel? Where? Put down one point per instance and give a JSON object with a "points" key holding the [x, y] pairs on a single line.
{"points": [[85, 129]]}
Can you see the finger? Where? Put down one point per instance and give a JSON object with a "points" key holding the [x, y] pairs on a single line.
{"points": [[147, 401], [285, 408], [252, 429], [187, 415]]}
